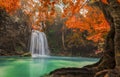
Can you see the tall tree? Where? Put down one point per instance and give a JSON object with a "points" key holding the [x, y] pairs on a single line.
{"points": [[109, 64]]}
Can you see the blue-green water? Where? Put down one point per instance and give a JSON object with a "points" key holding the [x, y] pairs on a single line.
{"points": [[36, 67]]}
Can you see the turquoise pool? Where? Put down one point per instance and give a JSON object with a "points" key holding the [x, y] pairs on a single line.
{"points": [[37, 67]]}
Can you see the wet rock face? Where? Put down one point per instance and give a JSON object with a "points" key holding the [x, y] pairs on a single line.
{"points": [[14, 32]]}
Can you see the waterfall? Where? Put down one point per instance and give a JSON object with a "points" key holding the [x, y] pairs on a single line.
{"points": [[38, 45]]}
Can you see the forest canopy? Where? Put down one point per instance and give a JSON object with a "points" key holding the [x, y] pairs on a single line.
{"points": [[77, 14]]}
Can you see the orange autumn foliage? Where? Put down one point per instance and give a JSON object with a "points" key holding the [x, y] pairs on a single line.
{"points": [[91, 19], [94, 23], [10, 5], [39, 11]]}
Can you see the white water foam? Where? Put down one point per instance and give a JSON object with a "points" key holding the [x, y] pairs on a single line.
{"points": [[39, 44]]}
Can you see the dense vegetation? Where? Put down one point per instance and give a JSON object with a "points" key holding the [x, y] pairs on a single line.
{"points": [[78, 23], [72, 40]]}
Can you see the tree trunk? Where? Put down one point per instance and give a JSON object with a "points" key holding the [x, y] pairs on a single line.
{"points": [[108, 59], [115, 7], [63, 37]]}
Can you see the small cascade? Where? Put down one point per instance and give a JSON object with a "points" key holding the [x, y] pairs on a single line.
{"points": [[39, 44]]}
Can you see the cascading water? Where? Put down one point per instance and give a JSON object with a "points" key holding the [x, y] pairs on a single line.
{"points": [[38, 45]]}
